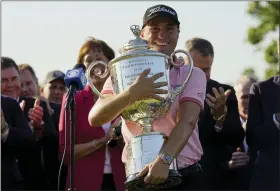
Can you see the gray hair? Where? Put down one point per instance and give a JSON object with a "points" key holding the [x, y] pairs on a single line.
{"points": [[244, 80]]}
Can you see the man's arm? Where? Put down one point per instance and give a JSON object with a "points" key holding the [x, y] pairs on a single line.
{"points": [[191, 104], [110, 106], [232, 131], [19, 131], [188, 115]]}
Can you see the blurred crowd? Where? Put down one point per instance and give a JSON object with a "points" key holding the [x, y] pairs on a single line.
{"points": [[239, 144]]}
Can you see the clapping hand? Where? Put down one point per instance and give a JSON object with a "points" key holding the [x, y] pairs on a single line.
{"points": [[218, 103], [35, 115], [238, 159]]}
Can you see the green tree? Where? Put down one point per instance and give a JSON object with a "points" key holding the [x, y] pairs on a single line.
{"points": [[249, 72], [268, 16]]}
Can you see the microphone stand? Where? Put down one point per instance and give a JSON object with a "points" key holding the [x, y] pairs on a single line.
{"points": [[70, 104], [72, 143]]}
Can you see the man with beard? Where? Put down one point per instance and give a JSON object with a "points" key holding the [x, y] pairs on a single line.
{"points": [[219, 123]]}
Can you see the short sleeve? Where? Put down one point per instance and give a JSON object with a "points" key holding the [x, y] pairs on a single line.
{"points": [[108, 87], [195, 89]]}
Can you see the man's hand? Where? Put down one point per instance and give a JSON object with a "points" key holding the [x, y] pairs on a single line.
{"points": [[22, 105], [156, 172], [218, 103], [111, 133], [238, 159], [36, 115], [144, 87], [4, 127]]}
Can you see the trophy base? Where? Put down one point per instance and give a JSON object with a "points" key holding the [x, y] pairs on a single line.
{"points": [[137, 183]]}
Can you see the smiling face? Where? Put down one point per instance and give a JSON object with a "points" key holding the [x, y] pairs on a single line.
{"points": [[162, 34], [10, 82]]}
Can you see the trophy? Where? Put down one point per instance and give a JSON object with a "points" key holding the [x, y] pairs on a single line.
{"points": [[134, 58]]}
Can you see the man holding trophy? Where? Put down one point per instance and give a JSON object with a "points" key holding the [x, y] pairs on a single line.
{"points": [[159, 101]]}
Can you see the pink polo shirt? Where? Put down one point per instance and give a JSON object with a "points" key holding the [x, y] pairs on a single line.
{"points": [[195, 92]]}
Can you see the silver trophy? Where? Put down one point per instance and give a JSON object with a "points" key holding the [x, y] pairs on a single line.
{"points": [[134, 58]]}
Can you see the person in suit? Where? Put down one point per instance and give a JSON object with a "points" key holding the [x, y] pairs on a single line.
{"points": [[15, 135], [47, 146], [97, 166], [219, 123], [262, 133], [30, 164], [43, 156], [239, 172]]}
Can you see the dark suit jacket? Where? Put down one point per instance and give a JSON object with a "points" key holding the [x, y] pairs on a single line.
{"points": [[39, 161], [57, 161], [238, 178], [215, 143], [262, 133], [19, 137]]}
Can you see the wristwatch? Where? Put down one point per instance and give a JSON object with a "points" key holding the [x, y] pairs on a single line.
{"points": [[221, 118], [167, 159]]}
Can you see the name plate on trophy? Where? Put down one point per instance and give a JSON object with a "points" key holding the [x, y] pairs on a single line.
{"points": [[128, 70], [145, 149]]}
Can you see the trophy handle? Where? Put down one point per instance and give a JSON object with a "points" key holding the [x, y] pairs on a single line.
{"points": [[98, 73], [179, 89]]}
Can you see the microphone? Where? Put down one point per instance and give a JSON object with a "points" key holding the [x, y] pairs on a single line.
{"points": [[75, 79]]}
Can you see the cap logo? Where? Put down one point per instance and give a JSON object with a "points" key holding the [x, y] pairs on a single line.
{"points": [[159, 8]]}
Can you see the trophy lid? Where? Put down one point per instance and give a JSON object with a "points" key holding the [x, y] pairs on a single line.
{"points": [[137, 43]]}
